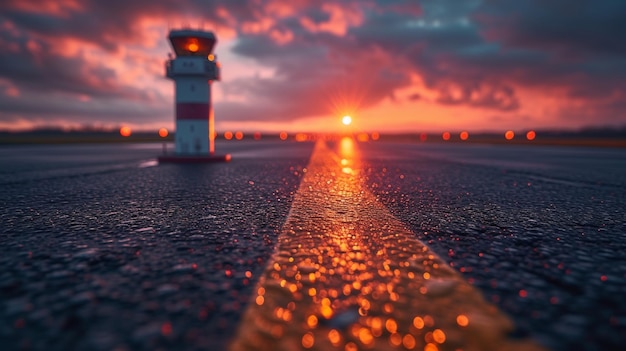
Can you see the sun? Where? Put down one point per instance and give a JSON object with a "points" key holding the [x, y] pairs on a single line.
{"points": [[346, 120], [125, 131]]}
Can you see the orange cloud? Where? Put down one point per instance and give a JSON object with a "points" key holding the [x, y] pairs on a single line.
{"points": [[262, 25], [393, 65], [281, 8], [59, 8], [281, 37]]}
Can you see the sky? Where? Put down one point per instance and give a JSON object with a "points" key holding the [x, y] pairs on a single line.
{"points": [[300, 65]]}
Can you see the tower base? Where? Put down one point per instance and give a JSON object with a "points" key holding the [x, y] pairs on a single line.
{"points": [[193, 159]]}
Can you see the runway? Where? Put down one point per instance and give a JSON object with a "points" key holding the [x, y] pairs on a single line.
{"points": [[347, 275], [107, 250]]}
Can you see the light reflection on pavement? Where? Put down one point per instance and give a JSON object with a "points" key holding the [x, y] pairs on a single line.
{"points": [[347, 275]]}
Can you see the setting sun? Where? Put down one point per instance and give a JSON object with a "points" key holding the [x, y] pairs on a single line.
{"points": [[346, 120], [125, 131]]}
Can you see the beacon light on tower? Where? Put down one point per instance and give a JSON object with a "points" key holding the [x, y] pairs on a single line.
{"points": [[193, 70]]}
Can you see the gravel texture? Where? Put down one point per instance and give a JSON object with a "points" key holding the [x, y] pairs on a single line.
{"points": [[348, 275], [541, 231], [102, 250], [110, 253]]}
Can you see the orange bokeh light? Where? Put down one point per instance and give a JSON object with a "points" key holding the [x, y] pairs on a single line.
{"points": [[163, 132], [418, 322], [125, 131], [334, 336], [193, 47], [408, 341], [439, 336], [365, 336], [311, 321], [531, 135], [509, 135], [395, 339], [239, 135], [462, 320], [391, 325], [445, 136], [228, 135], [464, 135], [375, 136], [283, 135], [308, 340], [362, 137]]}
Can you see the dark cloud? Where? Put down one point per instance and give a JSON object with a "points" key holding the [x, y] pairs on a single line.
{"points": [[33, 66], [59, 107], [446, 50], [569, 27], [317, 15], [571, 45], [327, 55]]}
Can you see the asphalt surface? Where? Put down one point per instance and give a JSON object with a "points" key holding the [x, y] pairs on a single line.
{"points": [[101, 249], [348, 275], [540, 230]]}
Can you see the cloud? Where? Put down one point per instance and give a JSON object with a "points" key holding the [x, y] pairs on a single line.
{"points": [[105, 59], [581, 28], [574, 43], [491, 96], [414, 97]]}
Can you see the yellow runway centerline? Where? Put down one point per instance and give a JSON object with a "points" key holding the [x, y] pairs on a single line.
{"points": [[347, 275]]}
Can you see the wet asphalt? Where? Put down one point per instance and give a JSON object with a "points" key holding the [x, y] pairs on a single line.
{"points": [[126, 255], [129, 258], [540, 231]]}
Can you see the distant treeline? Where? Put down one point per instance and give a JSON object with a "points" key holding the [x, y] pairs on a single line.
{"points": [[588, 136], [586, 133], [60, 136]]}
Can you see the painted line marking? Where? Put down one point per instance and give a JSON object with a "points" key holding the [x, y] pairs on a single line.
{"points": [[347, 275]]}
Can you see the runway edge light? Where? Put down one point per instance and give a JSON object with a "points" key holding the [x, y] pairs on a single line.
{"points": [[193, 70]]}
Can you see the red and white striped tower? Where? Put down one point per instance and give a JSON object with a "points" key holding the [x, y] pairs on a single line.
{"points": [[193, 70]]}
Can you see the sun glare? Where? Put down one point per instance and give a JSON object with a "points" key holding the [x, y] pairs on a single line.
{"points": [[346, 120]]}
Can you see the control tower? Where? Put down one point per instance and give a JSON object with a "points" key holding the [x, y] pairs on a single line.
{"points": [[193, 71]]}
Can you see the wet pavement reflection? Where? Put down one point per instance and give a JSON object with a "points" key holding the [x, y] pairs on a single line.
{"points": [[347, 275]]}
